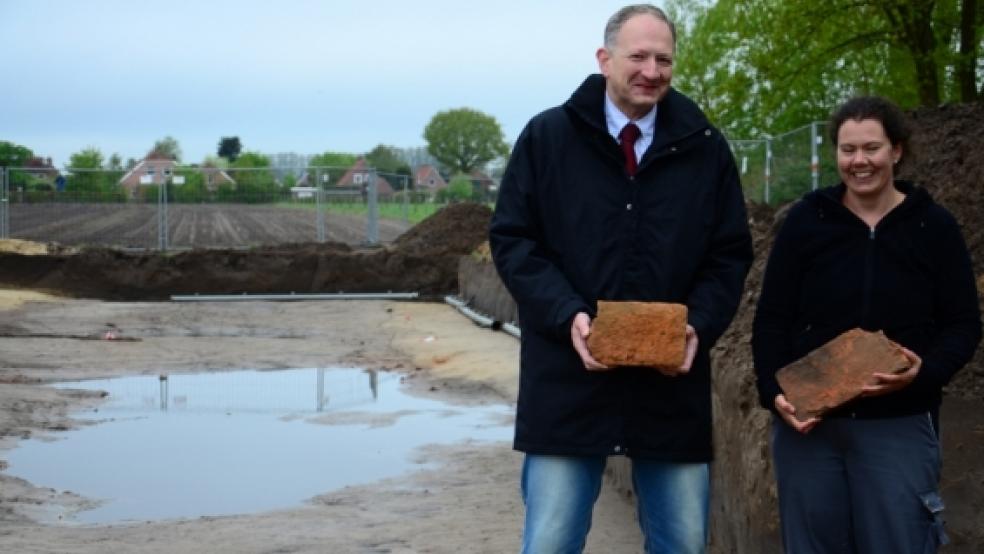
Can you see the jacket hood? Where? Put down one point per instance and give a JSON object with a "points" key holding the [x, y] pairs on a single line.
{"points": [[677, 115]]}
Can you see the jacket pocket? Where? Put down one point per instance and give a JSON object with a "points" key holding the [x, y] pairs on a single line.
{"points": [[937, 537]]}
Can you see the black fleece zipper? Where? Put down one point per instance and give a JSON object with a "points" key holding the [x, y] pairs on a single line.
{"points": [[869, 278]]}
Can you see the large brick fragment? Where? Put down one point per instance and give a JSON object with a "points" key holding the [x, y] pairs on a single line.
{"points": [[650, 334], [834, 374]]}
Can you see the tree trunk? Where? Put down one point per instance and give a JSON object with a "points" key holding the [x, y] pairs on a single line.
{"points": [[967, 61], [914, 22]]}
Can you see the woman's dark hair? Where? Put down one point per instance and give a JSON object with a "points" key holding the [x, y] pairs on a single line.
{"points": [[879, 109]]}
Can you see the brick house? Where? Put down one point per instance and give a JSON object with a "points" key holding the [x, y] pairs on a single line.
{"points": [[428, 180], [357, 177], [155, 168]]}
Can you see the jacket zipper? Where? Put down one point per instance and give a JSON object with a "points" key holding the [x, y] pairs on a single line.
{"points": [[869, 278]]}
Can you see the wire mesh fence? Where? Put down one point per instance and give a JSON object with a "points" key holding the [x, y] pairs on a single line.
{"points": [[779, 169], [160, 205], [164, 206]]}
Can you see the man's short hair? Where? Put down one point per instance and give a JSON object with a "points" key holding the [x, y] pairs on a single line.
{"points": [[616, 21]]}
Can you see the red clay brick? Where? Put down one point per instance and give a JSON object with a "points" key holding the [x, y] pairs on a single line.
{"points": [[834, 374], [650, 334]]}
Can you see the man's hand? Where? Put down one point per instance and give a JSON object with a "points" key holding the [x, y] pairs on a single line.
{"points": [[580, 329], [886, 383], [787, 411], [688, 358]]}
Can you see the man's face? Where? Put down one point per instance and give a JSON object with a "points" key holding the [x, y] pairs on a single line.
{"points": [[639, 67]]}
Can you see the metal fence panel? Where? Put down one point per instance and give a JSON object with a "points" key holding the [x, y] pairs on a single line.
{"points": [[783, 168], [174, 207]]}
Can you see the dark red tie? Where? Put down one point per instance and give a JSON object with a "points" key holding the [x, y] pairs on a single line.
{"points": [[628, 137]]}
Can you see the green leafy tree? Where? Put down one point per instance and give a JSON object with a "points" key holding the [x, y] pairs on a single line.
{"points": [[15, 155], [768, 66], [464, 139], [87, 158], [115, 162], [88, 180], [193, 189], [459, 189], [168, 147], [229, 148], [289, 180], [329, 159], [254, 180], [386, 159]]}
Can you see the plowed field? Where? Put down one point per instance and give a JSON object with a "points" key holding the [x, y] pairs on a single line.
{"points": [[195, 225]]}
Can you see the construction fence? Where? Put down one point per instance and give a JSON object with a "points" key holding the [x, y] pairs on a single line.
{"points": [[161, 205], [164, 206], [778, 169]]}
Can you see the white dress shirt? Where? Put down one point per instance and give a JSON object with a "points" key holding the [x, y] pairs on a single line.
{"points": [[616, 120]]}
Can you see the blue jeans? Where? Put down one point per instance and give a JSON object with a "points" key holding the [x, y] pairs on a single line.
{"points": [[560, 492]]}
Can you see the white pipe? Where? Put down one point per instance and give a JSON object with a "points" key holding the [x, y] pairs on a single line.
{"points": [[479, 319], [293, 296], [512, 330]]}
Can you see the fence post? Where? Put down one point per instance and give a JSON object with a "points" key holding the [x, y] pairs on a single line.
{"points": [[319, 199], [406, 200], [814, 157], [372, 225], [768, 167], [162, 215], [4, 203]]}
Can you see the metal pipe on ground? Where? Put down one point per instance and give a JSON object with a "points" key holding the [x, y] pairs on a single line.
{"points": [[293, 296], [512, 329], [479, 319], [482, 320]]}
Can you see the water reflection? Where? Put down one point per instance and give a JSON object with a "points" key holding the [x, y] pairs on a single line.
{"points": [[187, 445], [241, 386]]}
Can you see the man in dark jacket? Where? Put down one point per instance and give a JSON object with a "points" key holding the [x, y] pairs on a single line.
{"points": [[590, 211]]}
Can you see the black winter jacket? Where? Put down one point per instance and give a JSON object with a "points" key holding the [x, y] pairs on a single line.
{"points": [[570, 228], [911, 277]]}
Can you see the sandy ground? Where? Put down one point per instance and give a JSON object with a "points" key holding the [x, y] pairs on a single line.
{"points": [[469, 504]]}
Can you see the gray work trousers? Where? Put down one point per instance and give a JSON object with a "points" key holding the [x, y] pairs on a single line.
{"points": [[859, 486]]}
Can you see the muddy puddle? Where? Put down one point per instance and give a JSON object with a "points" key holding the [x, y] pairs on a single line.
{"points": [[212, 444]]}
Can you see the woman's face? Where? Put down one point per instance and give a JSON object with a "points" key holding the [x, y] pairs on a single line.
{"points": [[865, 158]]}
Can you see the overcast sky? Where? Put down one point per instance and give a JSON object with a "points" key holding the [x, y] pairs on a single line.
{"points": [[285, 76]]}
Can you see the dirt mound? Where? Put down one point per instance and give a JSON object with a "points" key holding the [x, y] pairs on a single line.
{"points": [[452, 230], [425, 260], [949, 161]]}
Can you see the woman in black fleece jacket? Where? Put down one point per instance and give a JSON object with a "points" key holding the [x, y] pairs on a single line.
{"points": [[877, 253]]}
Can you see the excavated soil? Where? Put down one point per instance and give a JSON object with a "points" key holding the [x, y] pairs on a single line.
{"points": [[422, 260]]}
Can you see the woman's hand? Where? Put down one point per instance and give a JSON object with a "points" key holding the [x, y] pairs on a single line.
{"points": [[885, 383], [787, 411]]}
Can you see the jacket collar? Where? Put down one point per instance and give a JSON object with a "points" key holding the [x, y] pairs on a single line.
{"points": [[677, 115], [829, 200]]}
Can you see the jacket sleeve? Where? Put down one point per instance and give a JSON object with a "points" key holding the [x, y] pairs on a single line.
{"points": [[720, 279], [544, 296], [775, 315], [957, 311]]}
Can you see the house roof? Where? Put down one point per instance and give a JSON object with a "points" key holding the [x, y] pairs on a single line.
{"points": [[426, 172], [142, 164], [360, 167]]}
